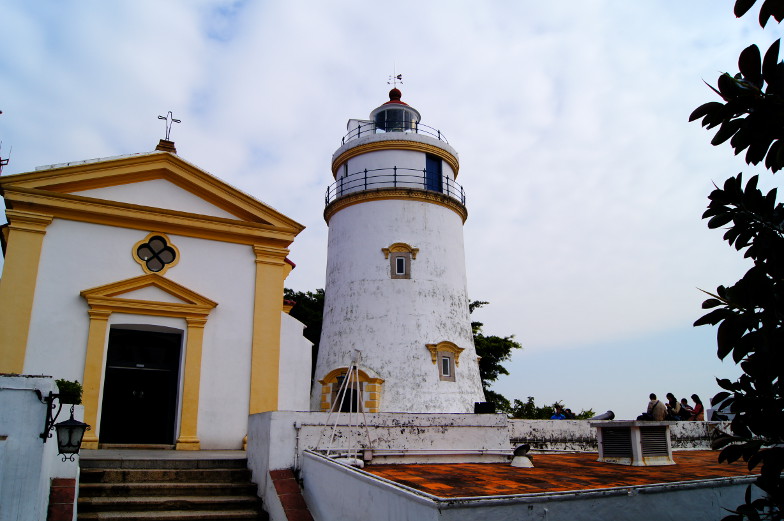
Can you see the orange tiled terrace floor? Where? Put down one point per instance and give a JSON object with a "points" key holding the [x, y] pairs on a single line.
{"points": [[553, 473]]}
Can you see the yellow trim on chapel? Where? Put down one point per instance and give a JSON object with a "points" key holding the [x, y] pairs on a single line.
{"points": [[271, 271], [17, 286], [105, 300], [88, 175], [143, 264], [51, 190], [125, 215]]}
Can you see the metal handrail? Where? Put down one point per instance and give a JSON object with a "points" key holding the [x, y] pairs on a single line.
{"points": [[394, 177], [370, 127]]}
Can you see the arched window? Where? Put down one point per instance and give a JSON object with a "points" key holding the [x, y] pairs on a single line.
{"points": [[447, 356], [400, 256], [367, 390]]}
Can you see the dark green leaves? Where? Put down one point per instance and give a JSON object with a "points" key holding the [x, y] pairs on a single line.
{"points": [[750, 65], [770, 8], [703, 110], [750, 319], [742, 7], [774, 8], [769, 66], [751, 116]]}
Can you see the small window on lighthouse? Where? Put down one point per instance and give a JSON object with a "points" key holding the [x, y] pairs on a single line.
{"points": [[446, 366], [401, 265]]}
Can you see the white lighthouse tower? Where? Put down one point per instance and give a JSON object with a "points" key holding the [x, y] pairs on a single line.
{"points": [[396, 304]]}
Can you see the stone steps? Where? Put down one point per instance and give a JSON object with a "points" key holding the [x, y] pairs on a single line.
{"points": [[164, 475], [174, 515], [167, 489]]}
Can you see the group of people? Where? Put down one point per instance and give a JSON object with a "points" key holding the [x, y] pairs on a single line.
{"points": [[673, 410], [563, 414]]}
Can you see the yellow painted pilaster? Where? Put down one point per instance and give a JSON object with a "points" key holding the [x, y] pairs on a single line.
{"points": [[265, 357], [189, 420], [93, 370], [17, 286]]}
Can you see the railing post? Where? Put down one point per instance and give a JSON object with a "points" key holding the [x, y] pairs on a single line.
{"points": [[366, 179], [439, 135], [424, 178], [394, 176]]}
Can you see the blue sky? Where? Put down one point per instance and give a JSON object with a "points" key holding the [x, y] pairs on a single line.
{"points": [[585, 183]]}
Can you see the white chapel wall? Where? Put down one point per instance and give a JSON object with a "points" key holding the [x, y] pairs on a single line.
{"points": [[295, 365], [158, 193], [78, 256]]}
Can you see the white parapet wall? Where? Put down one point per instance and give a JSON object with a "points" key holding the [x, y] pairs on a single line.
{"points": [[277, 440], [27, 464], [578, 435], [335, 491]]}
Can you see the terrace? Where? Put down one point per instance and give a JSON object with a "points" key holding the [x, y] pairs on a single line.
{"points": [[556, 473], [564, 486]]}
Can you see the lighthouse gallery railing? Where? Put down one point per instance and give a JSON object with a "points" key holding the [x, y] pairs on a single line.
{"points": [[364, 128], [394, 177]]}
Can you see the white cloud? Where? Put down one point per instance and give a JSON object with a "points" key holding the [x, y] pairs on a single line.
{"points": [[585, 182]]}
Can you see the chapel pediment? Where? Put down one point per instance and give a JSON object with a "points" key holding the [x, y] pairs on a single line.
{"points": [[141, 189], [148, 294]]}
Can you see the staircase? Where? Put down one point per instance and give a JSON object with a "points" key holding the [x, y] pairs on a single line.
{"points": [[167, 489]]}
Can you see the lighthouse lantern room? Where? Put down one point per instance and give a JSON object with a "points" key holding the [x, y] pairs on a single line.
{"points": [[396, 303]]}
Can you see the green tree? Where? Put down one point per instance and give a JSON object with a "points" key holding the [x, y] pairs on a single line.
{"points": [[750, 313], [308, 309], [530, 411], [492, 350]]}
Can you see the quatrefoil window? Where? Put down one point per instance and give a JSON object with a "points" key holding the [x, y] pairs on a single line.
{"points": [[155, 253]]}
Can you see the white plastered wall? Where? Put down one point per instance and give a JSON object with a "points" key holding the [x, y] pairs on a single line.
{"points": [[391, 320], [158, 193], [78, 256], [296, 356]]}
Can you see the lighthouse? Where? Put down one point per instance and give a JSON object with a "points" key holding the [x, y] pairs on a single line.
{"points": [[396, 317]]}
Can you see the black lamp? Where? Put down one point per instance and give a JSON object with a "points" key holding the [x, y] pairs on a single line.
{"points": [[69, 436], [69, 432]]}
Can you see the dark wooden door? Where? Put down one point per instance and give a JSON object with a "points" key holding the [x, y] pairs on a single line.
{"points": [[433, 180], [140, 387]]}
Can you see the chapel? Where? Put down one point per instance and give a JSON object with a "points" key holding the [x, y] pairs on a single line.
{"points": [[158, 287]]}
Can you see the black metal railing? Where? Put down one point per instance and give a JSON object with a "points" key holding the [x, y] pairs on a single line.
{"points": [[369, 127], [394, 177]]}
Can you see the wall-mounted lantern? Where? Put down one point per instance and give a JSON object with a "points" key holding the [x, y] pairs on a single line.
{"points": [[69, 432]]}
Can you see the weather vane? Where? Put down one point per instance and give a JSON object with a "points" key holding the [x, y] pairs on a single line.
{"points": [[395, 78], [5, 161], [169, 118]]}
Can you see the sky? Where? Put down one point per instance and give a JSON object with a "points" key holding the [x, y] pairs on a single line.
{"points": [[585, 183]]}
